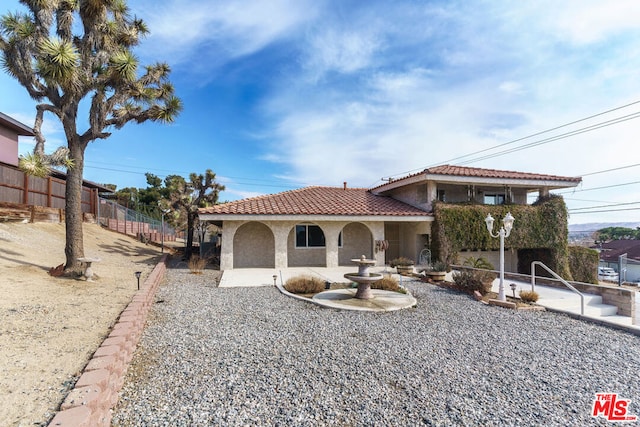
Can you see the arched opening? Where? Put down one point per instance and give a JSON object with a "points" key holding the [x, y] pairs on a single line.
{"points": [[306, 246], [254, 246], [357, 240]]}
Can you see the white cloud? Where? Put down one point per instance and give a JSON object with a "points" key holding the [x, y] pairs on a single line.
{"points": [[345, 51], [592, 21], [201, 31], [484, 78]]}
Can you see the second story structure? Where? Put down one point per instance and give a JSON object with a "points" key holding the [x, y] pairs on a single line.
{"points": [[441, 209]]}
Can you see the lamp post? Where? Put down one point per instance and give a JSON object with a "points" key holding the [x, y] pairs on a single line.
{"points": [[505, 230], [138, 273]]}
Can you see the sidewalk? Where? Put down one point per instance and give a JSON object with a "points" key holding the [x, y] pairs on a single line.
{"points": [[567, 301]]}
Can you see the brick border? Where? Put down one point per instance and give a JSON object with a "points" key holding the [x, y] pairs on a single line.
{"points": [[95, 393]]}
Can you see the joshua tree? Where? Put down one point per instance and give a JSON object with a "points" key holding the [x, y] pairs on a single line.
{"points": [[187, 196], [65, 52]]}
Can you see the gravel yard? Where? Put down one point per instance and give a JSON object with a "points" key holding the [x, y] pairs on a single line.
{"points": [[251, 356]]}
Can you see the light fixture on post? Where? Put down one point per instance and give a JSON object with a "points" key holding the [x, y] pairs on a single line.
{"points": [[505, 230], [138, 273]]}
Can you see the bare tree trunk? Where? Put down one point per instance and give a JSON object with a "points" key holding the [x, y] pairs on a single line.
{"points": [[190, 222], [74, 247]]}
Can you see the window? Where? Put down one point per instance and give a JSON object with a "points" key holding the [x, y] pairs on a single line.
{"points": [[421, 193], [440, 196], [494, 199], [311, 236]]}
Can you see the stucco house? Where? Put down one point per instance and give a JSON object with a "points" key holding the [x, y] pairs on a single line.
{"points": [[18, 190], [10, 131], [328, 226]]}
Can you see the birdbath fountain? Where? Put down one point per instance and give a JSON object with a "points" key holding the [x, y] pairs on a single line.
{"points": [[363, 278]]}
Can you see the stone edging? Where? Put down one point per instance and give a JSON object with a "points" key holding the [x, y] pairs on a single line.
{"points": [[96, 391]]}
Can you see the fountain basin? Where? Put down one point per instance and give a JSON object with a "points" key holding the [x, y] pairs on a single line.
{"points": [[364, 283]]}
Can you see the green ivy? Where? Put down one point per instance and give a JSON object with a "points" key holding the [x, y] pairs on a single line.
{"points": [[539, 226], [584, 264]]}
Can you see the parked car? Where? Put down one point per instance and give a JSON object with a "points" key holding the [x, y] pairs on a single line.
{"points": [[607, 274]]}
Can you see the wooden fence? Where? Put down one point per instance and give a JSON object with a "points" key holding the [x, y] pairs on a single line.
{"points": [[19, 191]]}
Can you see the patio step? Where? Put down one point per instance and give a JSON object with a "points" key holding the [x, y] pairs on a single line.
{"points": [[593, 305]]}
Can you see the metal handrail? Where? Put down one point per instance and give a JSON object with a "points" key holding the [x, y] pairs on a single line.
{"points": [[553, 273]]}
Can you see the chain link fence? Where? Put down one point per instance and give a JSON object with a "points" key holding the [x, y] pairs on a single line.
{"points": [[128, 221]]}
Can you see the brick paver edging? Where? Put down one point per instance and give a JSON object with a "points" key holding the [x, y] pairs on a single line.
{"points": [[96, 392]]}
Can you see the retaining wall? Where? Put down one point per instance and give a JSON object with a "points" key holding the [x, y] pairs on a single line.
{"points": [[96, 392]]}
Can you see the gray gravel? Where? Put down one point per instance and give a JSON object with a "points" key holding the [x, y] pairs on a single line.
{"points": [[251, 356]]}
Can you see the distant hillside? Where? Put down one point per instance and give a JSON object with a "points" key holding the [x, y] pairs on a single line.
{"points": [[595, 226], [582, 234]]}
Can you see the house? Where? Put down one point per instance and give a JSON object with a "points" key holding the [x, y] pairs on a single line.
{"points": [[622, 253], [19, 191], [328, 226], [10, 131]]}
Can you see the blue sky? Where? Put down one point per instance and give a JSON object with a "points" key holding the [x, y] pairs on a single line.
{"points": [[281, 94]]}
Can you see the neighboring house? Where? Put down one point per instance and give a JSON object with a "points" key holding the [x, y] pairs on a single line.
{"points": [[328, 226], [10, 131], [610, 253], [17, 188]]}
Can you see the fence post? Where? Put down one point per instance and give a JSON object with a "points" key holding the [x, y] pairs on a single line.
{"points": [[49, 189], [25, 193]]}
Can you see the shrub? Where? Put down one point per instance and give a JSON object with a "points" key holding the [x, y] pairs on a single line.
{"points": [[470, 281], [304, 285], [479, 262], [529, 296], [196, 264], [400, 261], [439, 266], [388, 283]]}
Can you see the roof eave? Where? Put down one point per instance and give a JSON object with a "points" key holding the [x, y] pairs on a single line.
{"points": [[551, 184], [11, 123], [298, 217]]}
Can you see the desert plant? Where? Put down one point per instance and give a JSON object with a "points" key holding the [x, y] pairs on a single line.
{"points": [[304, 285], [388, 283], [529, 296], [470, 281], [439, 266], [478, 262], [401, 261], [196, 264]]}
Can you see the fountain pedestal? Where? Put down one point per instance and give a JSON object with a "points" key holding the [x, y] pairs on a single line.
{"points": [[363, 278]]}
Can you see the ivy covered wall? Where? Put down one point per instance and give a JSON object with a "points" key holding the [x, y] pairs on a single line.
{"points": [[542, 225]]}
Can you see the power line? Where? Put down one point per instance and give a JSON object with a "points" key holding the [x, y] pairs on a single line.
{"points": [[606, 210], [598, 188], [605, 206], [610, 170], [532, 136], [557, 137]]}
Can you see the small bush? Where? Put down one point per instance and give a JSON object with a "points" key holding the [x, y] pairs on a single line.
{"points": [[470, 281], [479, 262], [304, 285], [400, 261], [529, 296], [196, 264], [439, 266], [388, 283]]}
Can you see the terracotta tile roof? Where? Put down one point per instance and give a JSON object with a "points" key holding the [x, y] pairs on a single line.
{"points": [[494, 173], [317, 201], [451, 170]]}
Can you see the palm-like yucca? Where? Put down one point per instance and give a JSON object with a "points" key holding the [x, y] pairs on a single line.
{"points": [[59, 68]]}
